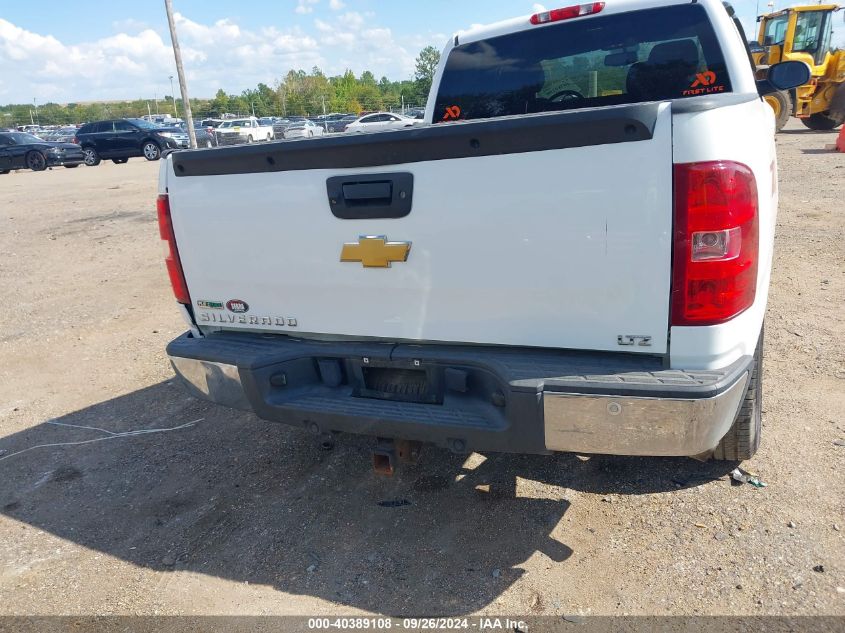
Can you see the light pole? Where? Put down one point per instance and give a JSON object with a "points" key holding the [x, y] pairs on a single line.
{"points": [[173, 96], [183, 87]]}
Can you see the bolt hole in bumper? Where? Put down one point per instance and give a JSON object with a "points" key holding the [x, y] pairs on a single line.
{"points": [[468, 398]]}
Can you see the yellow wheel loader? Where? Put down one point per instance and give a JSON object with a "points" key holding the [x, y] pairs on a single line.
{"points": [[804, 34]]}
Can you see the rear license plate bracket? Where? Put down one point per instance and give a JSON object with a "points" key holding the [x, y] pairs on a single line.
{"points": [[401, 381]]}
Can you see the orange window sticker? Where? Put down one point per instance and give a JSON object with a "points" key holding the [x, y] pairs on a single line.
{"points": [[707, 78], [452, 112], [704, 84]]}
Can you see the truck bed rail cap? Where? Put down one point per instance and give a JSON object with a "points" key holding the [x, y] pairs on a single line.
{"points": [[488, 137]]}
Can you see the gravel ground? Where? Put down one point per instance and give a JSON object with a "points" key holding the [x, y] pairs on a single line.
{"points": [[231, 515]]}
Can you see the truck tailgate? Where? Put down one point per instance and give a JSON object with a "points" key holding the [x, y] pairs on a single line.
{"points": [[520, 233]]}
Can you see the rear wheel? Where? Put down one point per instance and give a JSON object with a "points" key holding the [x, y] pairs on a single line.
{"points": [[249, 139], [821, 121], [743, 440], [5, 171], [269, 137], [151, 151], [781, 104], [35, 161], [92, 158], [119, 161]]}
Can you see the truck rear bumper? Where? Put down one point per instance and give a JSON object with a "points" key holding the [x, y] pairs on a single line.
{"points": [[468, 398]]}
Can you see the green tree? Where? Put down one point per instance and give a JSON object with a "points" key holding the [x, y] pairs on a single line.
{"points": [[426, 66]]}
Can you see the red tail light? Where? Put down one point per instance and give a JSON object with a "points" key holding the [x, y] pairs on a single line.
{"points": [[75, 141], [714, 272], [174, 266], [555, 15]]}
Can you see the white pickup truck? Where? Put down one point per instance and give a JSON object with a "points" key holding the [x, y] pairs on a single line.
{"points": [[573, 254], [247, 130]]}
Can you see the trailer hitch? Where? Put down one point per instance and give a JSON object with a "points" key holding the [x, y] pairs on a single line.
{"points": [[384, 456], [388, 452]]}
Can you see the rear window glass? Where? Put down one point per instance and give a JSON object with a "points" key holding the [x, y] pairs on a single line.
{"points": [[648, 55]]}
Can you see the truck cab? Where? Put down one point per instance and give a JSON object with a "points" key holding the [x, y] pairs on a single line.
{"points": [[246, 130]]}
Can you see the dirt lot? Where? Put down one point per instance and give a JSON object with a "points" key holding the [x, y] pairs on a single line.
{"points": [[231, 515]]}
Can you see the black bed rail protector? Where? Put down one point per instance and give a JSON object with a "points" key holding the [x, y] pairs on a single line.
{"points": [[490, 137]]}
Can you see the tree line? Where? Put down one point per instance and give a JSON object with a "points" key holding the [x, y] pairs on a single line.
{"points": [[299, 93]]}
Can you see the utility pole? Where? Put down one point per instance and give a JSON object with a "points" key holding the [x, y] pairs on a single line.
{"points": [[186, 104], [173, 96], [35, 101], [155, 98]]}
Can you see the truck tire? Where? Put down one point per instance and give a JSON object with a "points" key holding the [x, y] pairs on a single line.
{"points": [[743, 439], [781, 103], [821, 122]]}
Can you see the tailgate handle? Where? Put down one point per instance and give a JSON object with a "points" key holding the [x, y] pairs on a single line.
{"points": [[368, 192], [371, 196]]}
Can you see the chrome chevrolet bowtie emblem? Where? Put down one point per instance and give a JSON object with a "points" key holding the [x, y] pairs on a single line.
{"points": [[374, 251]]}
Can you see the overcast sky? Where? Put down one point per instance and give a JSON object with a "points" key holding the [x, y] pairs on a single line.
{"points": [[89, 50]]}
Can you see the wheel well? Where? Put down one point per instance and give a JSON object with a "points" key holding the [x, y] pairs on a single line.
{"points": [[150, 140]]}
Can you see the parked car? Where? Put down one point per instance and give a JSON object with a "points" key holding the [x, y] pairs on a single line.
{"points": [[325, 121], [246, 130], [381, 121], [65, 134], [339, 125], [279, 127], [205, 135], [303, 129], [19, 150], [623, 315], [122, 139]]}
